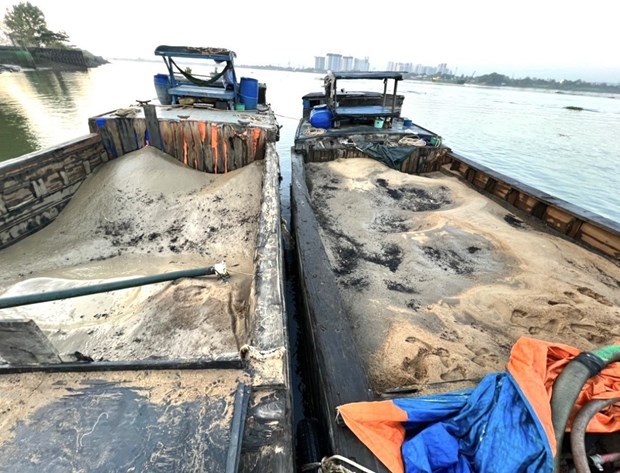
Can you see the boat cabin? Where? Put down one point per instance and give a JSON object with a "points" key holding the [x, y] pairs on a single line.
{"points": [[368, 108], [221, 87]]}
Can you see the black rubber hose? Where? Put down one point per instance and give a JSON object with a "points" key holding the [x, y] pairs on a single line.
{"points": [[578, 431], [569, 384]]}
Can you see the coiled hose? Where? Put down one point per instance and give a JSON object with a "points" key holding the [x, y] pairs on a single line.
{"points": [[578, 431], [569, 384]]}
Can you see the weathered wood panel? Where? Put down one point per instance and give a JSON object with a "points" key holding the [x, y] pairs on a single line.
{"points": [[207, 146], [267, 308], [35, 187], [425, 159], [561, 221], [594, 231], [421, 160]]}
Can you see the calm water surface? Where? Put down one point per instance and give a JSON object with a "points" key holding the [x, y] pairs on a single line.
{"points": [[528, 135]]}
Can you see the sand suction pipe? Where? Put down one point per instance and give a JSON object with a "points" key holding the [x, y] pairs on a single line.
{"points": [[26, 299], [569, 384]]}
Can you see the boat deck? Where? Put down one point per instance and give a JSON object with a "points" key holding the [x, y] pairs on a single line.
{"points": [[262, 117], [417, 285], [189, 420], [186, 375], [307, 132]]}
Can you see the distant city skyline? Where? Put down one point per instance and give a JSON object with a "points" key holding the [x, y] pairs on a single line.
{"points": [[593, 74], [338, 62]]}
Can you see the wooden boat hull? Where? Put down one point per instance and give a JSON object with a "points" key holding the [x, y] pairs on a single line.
{"points": [[428, 325], [209, 410]]}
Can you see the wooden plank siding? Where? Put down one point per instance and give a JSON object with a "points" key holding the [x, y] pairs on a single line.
{"points": [[207, 146], [34, 188], [421, 160], [595, 232], [425, 159]]}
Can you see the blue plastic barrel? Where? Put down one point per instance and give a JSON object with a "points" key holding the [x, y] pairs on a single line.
{"points": [[248, 89], [321, 117], [162, 84]]}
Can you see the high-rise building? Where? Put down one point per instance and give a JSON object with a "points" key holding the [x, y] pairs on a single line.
{"points": [[334, 62], [347, 63], [319, 63], [404, 67], [362, 65]]}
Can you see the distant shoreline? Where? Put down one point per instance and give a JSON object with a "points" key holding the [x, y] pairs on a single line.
{"points": [[487, 80]]}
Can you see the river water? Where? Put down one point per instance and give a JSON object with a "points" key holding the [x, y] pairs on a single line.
{"points": [[526, 134]]}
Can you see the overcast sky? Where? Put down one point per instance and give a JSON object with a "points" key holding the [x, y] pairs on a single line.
{"points": [[542, 38]]}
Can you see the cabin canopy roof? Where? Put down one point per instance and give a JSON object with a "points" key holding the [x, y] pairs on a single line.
{"points": [[367, 75], [217, 54]]}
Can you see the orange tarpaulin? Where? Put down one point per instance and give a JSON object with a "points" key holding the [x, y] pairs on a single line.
{"points": [[379, 425], [535, 364]]}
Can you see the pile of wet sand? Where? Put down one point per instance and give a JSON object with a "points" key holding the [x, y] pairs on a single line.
{"points": [[144, 213], [440, 281]]}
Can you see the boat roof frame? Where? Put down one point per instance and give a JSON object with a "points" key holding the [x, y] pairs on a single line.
{"points": [[217, 54], [368, 75]]}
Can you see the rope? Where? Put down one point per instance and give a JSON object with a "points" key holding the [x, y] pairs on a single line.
{"points": [[329, 465], [285, 116], [314, 132], [411, 141], [415, 140], [195, 80]]}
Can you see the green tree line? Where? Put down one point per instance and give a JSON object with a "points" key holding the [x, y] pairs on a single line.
{"points": [[25, 25], [496, 79]]}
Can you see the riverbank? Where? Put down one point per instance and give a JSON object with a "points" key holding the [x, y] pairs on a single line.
{"points": [[51, 58]]}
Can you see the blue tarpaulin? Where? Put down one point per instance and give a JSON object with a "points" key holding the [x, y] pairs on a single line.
{"points": [[489, 428]]}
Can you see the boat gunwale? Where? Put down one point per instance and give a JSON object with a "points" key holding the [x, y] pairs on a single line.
{"points": [[327, 323]]}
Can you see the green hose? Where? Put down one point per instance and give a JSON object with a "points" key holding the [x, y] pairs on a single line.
{"points": [[26, 299], [608, 354]]}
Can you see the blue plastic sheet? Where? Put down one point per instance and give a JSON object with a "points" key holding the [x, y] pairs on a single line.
{"points": [[487, 429]]}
